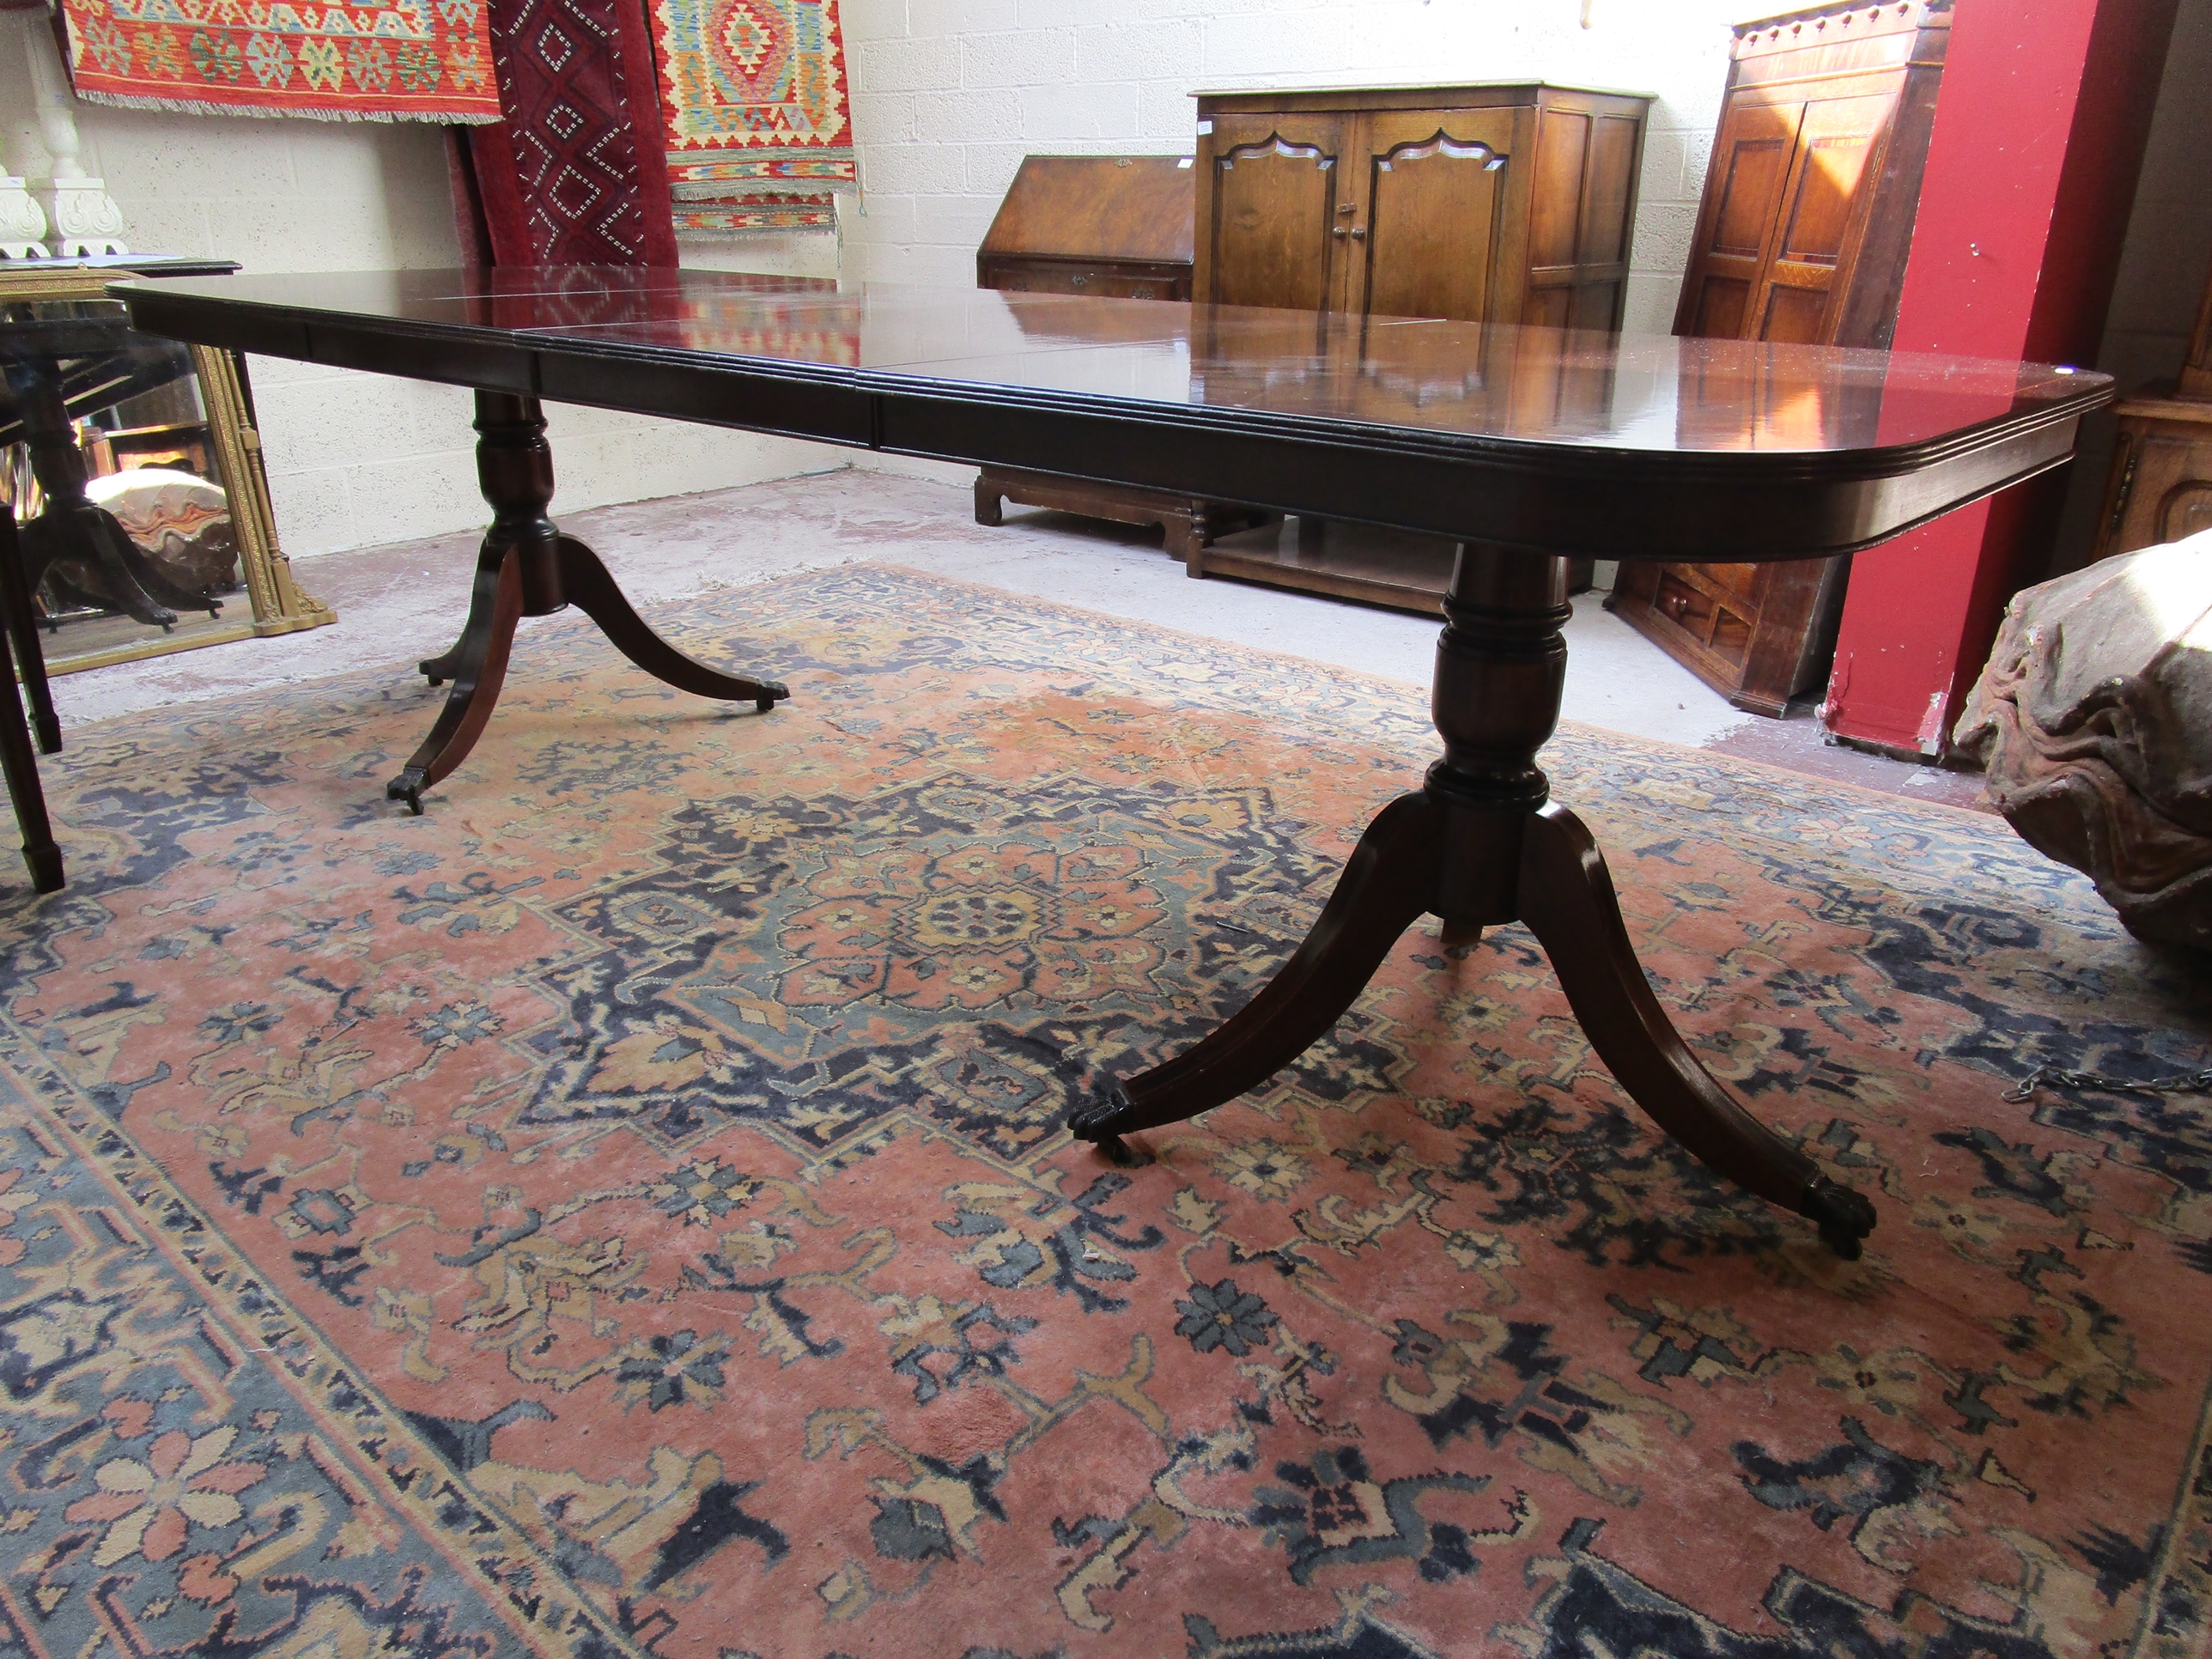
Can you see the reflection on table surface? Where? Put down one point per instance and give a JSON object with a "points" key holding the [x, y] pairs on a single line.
{"points": [[1637, 392]]}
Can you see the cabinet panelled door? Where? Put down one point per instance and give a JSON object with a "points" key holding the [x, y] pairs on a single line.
{"points": [[1501, 204]]}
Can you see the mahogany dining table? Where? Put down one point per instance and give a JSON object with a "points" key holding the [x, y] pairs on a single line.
{"points": [[1528, 446]]}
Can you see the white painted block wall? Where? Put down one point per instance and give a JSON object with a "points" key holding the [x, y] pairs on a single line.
{"points": [[949, 95]]}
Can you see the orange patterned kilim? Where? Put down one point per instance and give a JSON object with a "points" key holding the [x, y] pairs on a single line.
{"points": [[625, 1210], [757, 111], [419, 60]]}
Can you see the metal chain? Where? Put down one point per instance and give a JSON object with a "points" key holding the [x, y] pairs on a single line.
{"points": [[2182, 1083]]}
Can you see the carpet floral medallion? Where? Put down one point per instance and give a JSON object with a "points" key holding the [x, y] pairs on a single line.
{"points": [[625, 1210]]}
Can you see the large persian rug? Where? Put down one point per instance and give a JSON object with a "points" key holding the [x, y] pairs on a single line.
{"points": [[624, 1210], [385, 60]]}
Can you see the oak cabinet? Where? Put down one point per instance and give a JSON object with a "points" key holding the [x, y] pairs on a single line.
{"points": [[1801, 237], [1507, 203]]}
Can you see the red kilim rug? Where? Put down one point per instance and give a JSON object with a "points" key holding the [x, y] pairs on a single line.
{"points": [[625, 1210], [754, 101], [573, 175], [399, 62]]}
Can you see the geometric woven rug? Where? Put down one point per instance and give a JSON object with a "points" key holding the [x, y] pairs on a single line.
{"points": [[624, 1210]]}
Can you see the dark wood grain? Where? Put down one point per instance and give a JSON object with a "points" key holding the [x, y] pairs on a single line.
{"points": [[527, 568], [587, 584], [1609, 447], [1388, 884], [1567, 899]]}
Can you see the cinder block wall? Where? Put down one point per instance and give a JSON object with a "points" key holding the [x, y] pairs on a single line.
{"points": [[949, 95]]}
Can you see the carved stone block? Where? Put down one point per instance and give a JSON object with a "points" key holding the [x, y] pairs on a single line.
{"points": [[2094, 720]]}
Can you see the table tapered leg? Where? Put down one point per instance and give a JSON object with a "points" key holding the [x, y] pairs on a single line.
{"points": [[479, 668], [1386, 886], [526, 567], [23, 633], [17, 761], [592, 591], [1567, 900], [1480, 844]]}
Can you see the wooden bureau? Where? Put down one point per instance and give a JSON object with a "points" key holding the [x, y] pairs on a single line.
{"points": [[1114, 225]]}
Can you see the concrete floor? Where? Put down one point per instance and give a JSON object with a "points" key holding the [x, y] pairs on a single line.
{"points": [[406, 600]]}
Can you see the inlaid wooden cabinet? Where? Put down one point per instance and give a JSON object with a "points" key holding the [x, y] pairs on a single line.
{"points": [[1801, 237], [1507, 202]]}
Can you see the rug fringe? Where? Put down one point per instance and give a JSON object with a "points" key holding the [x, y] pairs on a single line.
{"points": [[200, 106]]}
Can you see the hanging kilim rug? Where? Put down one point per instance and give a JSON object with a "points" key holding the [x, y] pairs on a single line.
{"points": [[573, 175], [754, 99], [410, 60], [624, 1210]]}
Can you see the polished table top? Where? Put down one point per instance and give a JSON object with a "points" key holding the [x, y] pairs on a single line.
{"points": [[1615, 445]]}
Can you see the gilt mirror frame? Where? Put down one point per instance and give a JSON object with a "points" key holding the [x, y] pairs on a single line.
{"points": [[278, 604]]}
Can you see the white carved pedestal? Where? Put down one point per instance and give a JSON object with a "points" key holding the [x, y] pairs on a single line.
{"points": [[84, 217], [23, 223]]}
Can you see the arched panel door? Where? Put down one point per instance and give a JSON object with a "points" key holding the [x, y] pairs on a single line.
{"points": [[1425, 239], [1736, 225], [1838, 157], [1276, 186]]}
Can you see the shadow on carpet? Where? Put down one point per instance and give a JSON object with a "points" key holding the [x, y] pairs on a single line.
{"points": [[625, 1210]]}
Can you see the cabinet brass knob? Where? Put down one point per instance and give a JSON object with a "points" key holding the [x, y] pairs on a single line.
{"points": [[1360, 232], [1338, 231]]}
